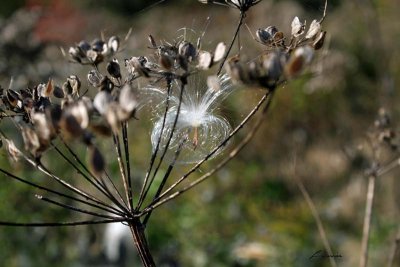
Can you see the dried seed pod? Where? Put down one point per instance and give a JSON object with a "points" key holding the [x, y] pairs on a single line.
{"points": [[48, 89], [205, 60], [272, 64], [314, 29], [298, 60], [13, 98], [101, 101], [94, 56], [152, 41], [213, 82], [127, 98], [70, 127], [98, 45], [298, 28], [31, 140], [43, 126], [84, 47], [101, 129], [95, 78], [187, 50], [75, 84], [55, 114], [235, 70], [96, 161], [80, 112], [319, 40], [219, 52], [13, 151], [112, 116], [106, 85], [67, 89], [113, 44], [75, 54], [137, 65], [114, 69], [166, 61], [263, 36], [58, 92]]}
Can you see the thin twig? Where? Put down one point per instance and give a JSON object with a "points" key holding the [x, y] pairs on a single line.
{"points": [[178, 110], [242, 16], [102, 187], [121, 167], [127, 162], [57, 224], [367, 220], [154, 154], [394, 250], [107, 208], [165, 178], [69, 207], [124, 205]]}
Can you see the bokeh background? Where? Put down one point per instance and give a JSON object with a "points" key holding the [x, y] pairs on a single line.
{"points": [[252, 212]]}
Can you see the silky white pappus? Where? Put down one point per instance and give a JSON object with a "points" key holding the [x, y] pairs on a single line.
{"points": [[199, 128]]}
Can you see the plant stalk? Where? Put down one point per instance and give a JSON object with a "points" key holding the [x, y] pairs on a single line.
{"points": [[140, 241]]}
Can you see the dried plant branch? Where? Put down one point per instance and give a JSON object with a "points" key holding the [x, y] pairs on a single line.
{"points": [[242, 16], [367, 220], [394, 250], [127, 162], [102, 187], [58, 224], [121, 168], [178, 110], [69, 207], [109, 209], [154, 154], [123, 205], [165, 178]]}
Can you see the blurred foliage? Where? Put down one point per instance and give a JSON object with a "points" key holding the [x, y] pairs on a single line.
{"points": [[251, 213]]}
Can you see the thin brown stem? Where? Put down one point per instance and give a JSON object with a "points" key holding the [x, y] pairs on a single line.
{"points": [[58, 224], [69, 207], [107, 208], [154, 154], [242, 16], [178, 110], [123, 205], [394, 250], [121, 168], [367, 221]]}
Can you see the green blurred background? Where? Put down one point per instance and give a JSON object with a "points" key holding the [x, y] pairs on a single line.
{"points": [[250, 213]]}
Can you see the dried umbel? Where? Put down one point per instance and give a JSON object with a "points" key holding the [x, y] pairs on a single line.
{"points": [[94, 52], [242, 5]]}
